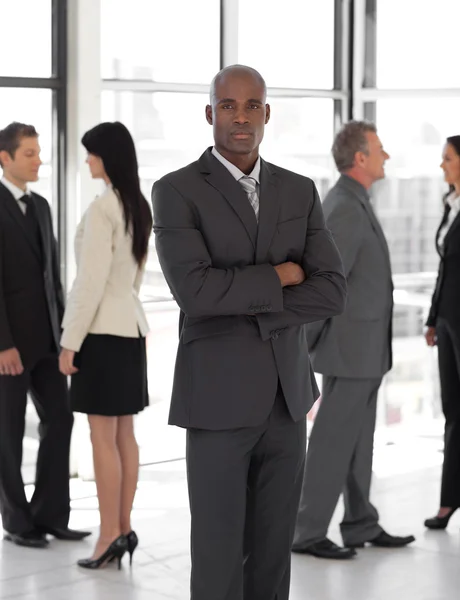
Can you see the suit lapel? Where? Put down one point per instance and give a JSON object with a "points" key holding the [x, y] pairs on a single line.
{"points": [[439, 247], [269, 206], [18, 216], [219, 177]]}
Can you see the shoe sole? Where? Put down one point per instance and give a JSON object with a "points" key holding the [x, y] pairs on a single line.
{"points": [[8, 538]]}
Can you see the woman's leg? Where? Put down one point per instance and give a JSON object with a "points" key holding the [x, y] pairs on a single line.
{"points": [[129, 457], [107, 470]]}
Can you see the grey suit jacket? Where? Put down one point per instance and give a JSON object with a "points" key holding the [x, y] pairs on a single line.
{"points": [[239, 330], [357, 343]]}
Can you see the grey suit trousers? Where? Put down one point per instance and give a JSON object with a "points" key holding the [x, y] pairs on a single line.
{"points": [[244, 488], [339, 459]]}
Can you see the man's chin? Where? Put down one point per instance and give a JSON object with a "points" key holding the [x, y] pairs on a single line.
{"points": [[242, 147]]}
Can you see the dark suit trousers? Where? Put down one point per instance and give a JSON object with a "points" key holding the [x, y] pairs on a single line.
{"points": [[449, 372], [244, 488], [50, 503], [339, 460]]}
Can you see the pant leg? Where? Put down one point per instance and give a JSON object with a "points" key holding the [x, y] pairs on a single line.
{"points": [[361, 519], [449, 372], [217, 473], [14, 507], [274, 486], [50, 503], [333, 440]]}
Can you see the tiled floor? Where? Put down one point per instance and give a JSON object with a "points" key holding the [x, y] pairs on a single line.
{"points": [[429, 570]]}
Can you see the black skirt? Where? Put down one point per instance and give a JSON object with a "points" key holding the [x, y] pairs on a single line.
{"points": [[112, 376]]}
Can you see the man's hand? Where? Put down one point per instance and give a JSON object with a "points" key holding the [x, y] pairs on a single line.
{"points": [[290, 274], [430, 336], [66, 362], [10, 362]]}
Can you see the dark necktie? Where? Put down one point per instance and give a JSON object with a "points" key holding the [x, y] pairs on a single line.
{"points": [[31, 218]]}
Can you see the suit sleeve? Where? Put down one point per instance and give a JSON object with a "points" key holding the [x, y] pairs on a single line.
{"points": [[200, 289], [93, 271], [60, 302], [432, 315], [6, 339], [323, 293]]}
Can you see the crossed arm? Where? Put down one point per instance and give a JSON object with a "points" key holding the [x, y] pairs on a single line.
{"points": [[202, 290]]}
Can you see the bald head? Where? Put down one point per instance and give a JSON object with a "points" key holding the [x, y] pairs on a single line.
{"points": [[238, 113], [237, 72]]}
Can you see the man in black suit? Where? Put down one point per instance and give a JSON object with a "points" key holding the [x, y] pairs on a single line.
{"points": [[245, 251], [31, 310]]}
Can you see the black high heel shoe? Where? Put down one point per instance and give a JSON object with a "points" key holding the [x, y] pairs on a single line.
{"points": [[115, 551], [439, 522], [133, 542]]}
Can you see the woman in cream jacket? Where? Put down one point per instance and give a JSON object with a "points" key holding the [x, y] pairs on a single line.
{"points": [[104, 329]]}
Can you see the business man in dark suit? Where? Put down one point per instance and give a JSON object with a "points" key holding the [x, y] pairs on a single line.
{"points": [[245, 251], [31, 309], [353, 352]]}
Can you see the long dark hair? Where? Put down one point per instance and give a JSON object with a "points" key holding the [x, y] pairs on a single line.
{"points": [[454, 141], [113, 143]]}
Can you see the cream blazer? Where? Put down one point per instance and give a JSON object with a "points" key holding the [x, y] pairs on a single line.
{"points": [[105, 295]]}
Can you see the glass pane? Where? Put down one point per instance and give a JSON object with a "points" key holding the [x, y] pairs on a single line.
{"points": [[409, 205], [26, 38], [290, 43], [417, 48], [33, 107], [299, 137], [177, 40]]}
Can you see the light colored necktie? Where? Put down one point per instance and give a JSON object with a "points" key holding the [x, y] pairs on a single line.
{"points": [[250, 187]]}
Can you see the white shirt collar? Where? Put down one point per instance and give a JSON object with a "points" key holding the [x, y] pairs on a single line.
{"points": [[237, 173], [453, 201], [17, 192]]}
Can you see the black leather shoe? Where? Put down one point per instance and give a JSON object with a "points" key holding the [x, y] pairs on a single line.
{"points": [[385, 540], [326, 549], [30, 539], [64, 533], [439, 522]]}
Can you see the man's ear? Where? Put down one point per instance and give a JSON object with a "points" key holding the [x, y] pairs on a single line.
{"points": [[209, 114], [267, 113], [5, 158]]}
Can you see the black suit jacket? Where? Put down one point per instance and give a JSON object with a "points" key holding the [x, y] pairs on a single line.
{"points": [[31, 295], [239, 330], [446, 297]]}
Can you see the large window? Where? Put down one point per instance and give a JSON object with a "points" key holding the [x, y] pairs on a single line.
{"points": [[407, 82]]}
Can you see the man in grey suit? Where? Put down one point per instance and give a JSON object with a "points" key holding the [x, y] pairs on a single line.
{"points": [[353, 352], [245, 251]]}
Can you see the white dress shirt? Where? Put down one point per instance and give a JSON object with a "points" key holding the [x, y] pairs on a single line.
{"points": [[237, 173], [17, 193], [454, 202]]}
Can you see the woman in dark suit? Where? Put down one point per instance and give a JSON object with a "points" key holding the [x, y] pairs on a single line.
{"points": [[444, 330]]}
